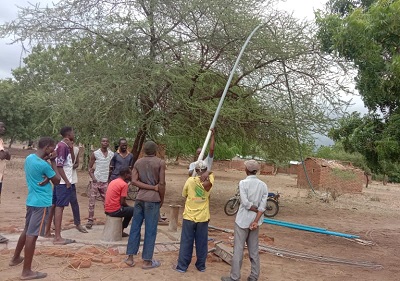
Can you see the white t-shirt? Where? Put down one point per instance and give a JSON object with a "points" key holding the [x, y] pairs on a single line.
{"points": [[74, 173], [208, 160]]}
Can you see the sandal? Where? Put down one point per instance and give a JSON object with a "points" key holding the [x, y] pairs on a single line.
{"points": [[65, 242], [130, 263], [154, 264], [80, 228], [89, 225], [3, 239], [38, 275]]}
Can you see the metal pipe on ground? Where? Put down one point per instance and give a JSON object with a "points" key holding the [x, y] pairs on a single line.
{"points": [[309, 228]]}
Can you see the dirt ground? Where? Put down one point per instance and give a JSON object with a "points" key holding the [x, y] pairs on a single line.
{"points": [[373, 215]]}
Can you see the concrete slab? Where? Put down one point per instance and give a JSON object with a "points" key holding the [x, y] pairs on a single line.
{"points": [[93, 237]]}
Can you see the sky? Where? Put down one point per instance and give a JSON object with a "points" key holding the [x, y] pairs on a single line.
{"points": [[11, 55]]}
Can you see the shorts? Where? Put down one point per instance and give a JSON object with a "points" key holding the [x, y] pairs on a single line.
{"points": [[36, 219], [62, 195]]}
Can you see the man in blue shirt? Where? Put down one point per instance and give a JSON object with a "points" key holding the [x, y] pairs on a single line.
{"points": [[121, 159], [38, 173]]}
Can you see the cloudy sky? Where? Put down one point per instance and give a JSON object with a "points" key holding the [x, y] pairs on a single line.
{"points": [[10, 55]]}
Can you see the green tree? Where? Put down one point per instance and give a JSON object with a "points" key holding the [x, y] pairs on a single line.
{"points": [[157, 69], [15, 112], [366, 33], [369, 38]]}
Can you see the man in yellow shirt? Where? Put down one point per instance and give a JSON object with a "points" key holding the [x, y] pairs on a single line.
{"points": [[195, 219]]}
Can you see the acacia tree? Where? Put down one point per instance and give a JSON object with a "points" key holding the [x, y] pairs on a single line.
{"points": [[172, 59]]}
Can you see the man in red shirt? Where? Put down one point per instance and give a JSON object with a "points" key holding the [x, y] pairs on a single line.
{"points": [[115, 203]]}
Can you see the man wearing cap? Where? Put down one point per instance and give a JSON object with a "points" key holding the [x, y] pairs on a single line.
{"points": [[253, 201], [195, 219]]}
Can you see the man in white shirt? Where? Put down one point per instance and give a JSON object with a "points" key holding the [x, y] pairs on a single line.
{"points": [[253, 201]]}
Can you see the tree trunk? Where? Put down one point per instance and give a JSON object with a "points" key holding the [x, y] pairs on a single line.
{"points": [[137, 145], [86, 156], [11, 142]]}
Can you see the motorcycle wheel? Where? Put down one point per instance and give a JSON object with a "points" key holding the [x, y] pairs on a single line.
{"points": [[231, 207], [272, 208]]}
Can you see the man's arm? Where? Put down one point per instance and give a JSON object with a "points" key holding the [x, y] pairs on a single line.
{"points": [[112, 165], [261, 209], [63, 176], [123, 202], [212, 144], [62, 153], [243, 197], [185, 188], [136, 182], [92, 160], [57, 178], [51, 174], [76, 163], [124, 194], [208, 182], [254, 224], [5, 155], [162, 184], [131, 162], [191, 168]]}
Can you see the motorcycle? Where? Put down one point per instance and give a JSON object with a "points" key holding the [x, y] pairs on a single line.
{"points": [[232, 206]]}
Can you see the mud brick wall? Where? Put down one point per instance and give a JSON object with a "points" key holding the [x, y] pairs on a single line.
{"points": [[291, 170], [349, 180], [266, 168]]}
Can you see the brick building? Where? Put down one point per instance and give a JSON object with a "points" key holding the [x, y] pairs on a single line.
{"points": [[331, 175]]}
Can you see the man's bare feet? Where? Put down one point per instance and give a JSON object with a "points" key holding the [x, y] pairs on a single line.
{"points": [[63, 241], [16, 261]]}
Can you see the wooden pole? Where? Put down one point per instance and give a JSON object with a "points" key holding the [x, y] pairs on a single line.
{"points": [[173, 217]]}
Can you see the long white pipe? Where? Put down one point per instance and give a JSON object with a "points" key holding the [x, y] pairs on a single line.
{"points": [[221, 101]]}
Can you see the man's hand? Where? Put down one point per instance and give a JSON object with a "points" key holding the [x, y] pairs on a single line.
{"points": [[254, 208], [52, 156], [5, 155], [69, 143], [156, 188], [68, 184], [253, 225], [45, 181], [204, 176]]}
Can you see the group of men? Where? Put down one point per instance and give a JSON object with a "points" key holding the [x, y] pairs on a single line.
{"points": [[110, 179]]}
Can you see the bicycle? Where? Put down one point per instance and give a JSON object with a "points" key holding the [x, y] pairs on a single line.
{"points": [[232, 206]]}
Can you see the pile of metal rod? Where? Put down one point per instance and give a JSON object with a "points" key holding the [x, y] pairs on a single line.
{"points": [[316, 258]]}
